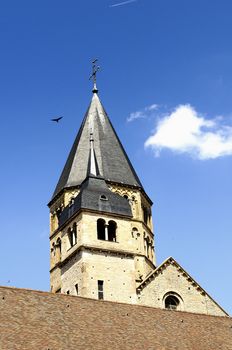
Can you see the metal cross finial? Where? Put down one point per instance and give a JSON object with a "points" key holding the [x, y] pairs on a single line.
{"points": [[94, 75]]}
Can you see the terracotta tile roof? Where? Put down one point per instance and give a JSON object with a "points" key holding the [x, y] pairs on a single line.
{"points": [[32, 320]]}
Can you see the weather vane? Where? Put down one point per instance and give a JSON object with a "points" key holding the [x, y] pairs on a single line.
{"points": [[94, 75]]}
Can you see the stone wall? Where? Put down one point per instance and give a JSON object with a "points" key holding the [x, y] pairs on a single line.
{"points": [[86, 268], [171, 280]]}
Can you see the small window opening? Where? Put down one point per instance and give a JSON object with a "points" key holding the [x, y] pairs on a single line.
{"points": [[76, 288], [112, 231], [68, 292], [58, 290], [100, 289], [103, 197], [101, 229], [171, 302]]}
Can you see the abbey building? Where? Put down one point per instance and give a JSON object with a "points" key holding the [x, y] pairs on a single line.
{"points": [[101, 234]]}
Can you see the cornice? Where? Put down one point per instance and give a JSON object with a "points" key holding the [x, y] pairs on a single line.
{"points": [[84, 247]]}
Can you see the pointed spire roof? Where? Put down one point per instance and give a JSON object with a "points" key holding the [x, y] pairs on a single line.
{"points": [[108, 153]]}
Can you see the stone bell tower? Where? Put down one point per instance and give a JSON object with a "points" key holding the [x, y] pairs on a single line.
{"points": [[101, 239]]}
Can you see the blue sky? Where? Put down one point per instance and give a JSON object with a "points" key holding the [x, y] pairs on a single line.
{"points": [[165, 81]]}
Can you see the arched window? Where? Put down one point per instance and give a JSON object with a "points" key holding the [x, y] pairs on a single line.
{"points": [[58, 247], [145, 215], [101, 229], [70, 237], [112, 231], [171, 302]]}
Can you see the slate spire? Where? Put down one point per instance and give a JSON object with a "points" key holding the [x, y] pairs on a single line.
{"points": [[109, 155]]}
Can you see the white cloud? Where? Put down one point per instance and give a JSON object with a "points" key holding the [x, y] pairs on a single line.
{"points": [[144, 113], [185, 131], [123, 3], [152, 107]]}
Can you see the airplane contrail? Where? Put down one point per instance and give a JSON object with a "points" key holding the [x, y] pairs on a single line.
{"points": [[123, 3]]}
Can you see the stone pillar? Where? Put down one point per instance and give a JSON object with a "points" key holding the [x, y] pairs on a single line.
{"points": [[106, 232]]}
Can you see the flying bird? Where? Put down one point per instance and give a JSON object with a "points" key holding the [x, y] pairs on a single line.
{"points": [[56, 119]]}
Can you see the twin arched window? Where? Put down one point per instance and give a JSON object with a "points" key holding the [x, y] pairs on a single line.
{"points": [[106, 231]]}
